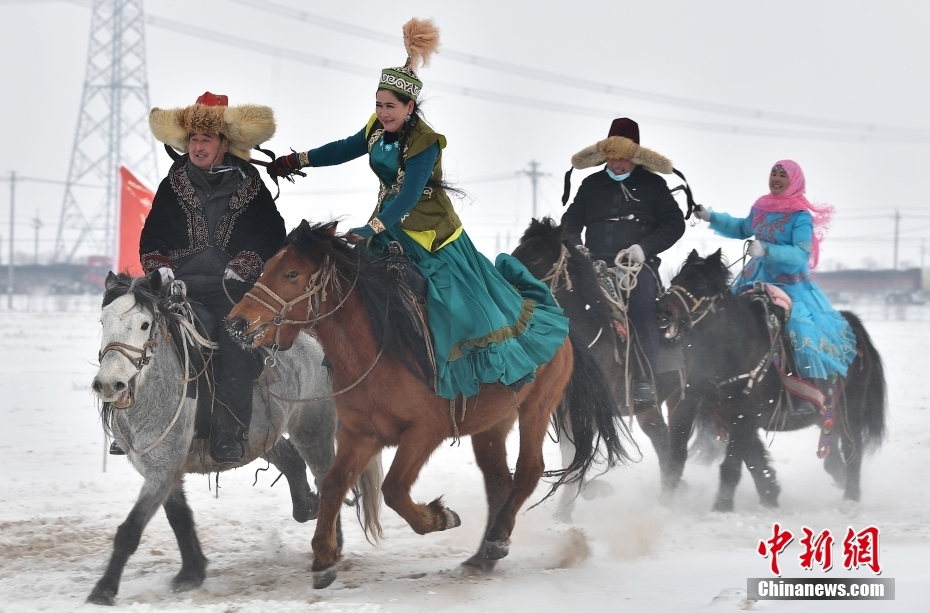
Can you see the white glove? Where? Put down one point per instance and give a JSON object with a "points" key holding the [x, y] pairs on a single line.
{"points": [[231, 274], [702, 213], [756, 249], [637, 254], [167, 275]]}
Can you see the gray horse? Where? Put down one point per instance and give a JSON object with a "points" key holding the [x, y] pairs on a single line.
{"points": [[141, 383]]}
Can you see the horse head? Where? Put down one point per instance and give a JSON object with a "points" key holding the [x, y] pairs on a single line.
{"points": [[693, 293], [130, 320], [292, 290], [540, 246]]}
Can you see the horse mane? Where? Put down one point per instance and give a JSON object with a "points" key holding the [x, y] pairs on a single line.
{"points": [[383, 297], [714, 266], [141, 289], [580, 267]]}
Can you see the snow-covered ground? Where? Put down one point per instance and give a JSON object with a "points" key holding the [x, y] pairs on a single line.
{"points": [[59, 513]]}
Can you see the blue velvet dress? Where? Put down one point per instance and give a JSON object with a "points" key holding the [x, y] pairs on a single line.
{"points": [[490, 323], [823, 342]]}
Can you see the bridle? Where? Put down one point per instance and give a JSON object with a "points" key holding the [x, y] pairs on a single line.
{"points": [[709, 303], [314, 294], [145, 352], [559, 270]]}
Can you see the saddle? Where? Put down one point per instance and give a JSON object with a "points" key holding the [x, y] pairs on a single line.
{"points": [[413, 289]]}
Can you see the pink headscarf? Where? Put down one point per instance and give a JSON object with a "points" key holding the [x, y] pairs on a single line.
{"points": [[792, 200]]}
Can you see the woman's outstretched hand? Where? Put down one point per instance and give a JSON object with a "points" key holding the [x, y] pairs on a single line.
{"points": [[702, 212], [285, 167], [757, 249]]}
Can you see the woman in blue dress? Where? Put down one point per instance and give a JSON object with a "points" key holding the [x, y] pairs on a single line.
{"points": [[788, 229], [490, 323]]}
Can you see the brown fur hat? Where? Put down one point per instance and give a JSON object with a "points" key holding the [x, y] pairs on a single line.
{"points": [[621, 147], [246, 125]]}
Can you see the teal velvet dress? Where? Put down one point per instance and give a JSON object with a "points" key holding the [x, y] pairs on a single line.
{"points": [[823, 342], [490, 323]]}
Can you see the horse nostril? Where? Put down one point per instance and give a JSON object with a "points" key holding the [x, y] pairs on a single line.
{"points": [[237, 324], [96, 386], [119, 387]]}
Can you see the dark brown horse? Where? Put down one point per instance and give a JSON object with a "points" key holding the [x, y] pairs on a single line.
{"points": [[355, 308], [571, 275], [724, 336]]}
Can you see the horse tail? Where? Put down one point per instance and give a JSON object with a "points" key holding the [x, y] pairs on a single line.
{"points": [[869, 388], [368, 500], [592, 415], [705, 447]]}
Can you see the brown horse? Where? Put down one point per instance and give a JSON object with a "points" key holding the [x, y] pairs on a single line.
{"points": [[383, 398]]}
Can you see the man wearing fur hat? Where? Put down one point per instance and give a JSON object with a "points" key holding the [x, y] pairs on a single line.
{"points": [[213, 224], [628, 207]]}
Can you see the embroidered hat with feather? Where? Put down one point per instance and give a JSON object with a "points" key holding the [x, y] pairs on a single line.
{"points": [[421, 39], [245, 125]]}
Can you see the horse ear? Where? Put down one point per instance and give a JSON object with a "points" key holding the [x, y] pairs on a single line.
{"points": [[111, 279], [692, 257], [154, 279], [715, 257], [331, 228]]}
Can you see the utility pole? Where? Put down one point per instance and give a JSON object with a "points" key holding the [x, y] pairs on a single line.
{"points": [[37, 223], [897, 223], [9, 279], [534, 174]]}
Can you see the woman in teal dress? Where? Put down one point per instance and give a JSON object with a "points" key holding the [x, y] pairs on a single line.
{"points": [[788, 230], [490, 323]]}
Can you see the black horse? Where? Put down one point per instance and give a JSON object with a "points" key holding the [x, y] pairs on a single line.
{"points": [[724, 336], [572, 277]]}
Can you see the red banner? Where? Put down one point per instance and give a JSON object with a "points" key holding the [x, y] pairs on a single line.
{"points": [[135, 202]]}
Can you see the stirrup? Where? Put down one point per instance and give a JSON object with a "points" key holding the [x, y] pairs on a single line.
{"points": [[116, 449]]}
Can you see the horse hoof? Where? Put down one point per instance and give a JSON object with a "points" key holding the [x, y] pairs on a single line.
{"points": [[496, 550], [450, 519], [186, 583], [306, 508], [102, 597], [478, 563], [324, 578], [723, 507]]}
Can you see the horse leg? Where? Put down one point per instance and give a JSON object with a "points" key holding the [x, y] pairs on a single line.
{"points": [[313, 432], [534, 421], [730, 469], [414, 449], [491, 456], [681, 421], [285, 457], [193, 562], [570, 491], [653, 425], [354, 452], [852, 451], [757, 461], [127, 540]]}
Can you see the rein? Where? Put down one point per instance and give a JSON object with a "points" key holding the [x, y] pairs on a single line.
{"points": [[559, 270]]}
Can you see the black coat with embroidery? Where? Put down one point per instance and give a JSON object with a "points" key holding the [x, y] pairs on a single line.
{"points": [[644, 214], [249, 232]]}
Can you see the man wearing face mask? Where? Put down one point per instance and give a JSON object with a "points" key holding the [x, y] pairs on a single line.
{"points": [[213, 224], [628, 206]]}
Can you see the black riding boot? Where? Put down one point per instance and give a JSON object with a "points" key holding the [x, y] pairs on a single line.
{"points": [[805, 409], [233, 410], [644, 316]]}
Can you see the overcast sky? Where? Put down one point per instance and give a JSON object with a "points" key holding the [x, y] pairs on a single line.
{"points": [[820, 71]]}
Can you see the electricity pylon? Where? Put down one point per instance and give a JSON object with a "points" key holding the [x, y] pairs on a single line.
{"points": [[112, 130]]}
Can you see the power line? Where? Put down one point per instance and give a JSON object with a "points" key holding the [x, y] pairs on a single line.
{"points": [[324, 62], [579, 83]]}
